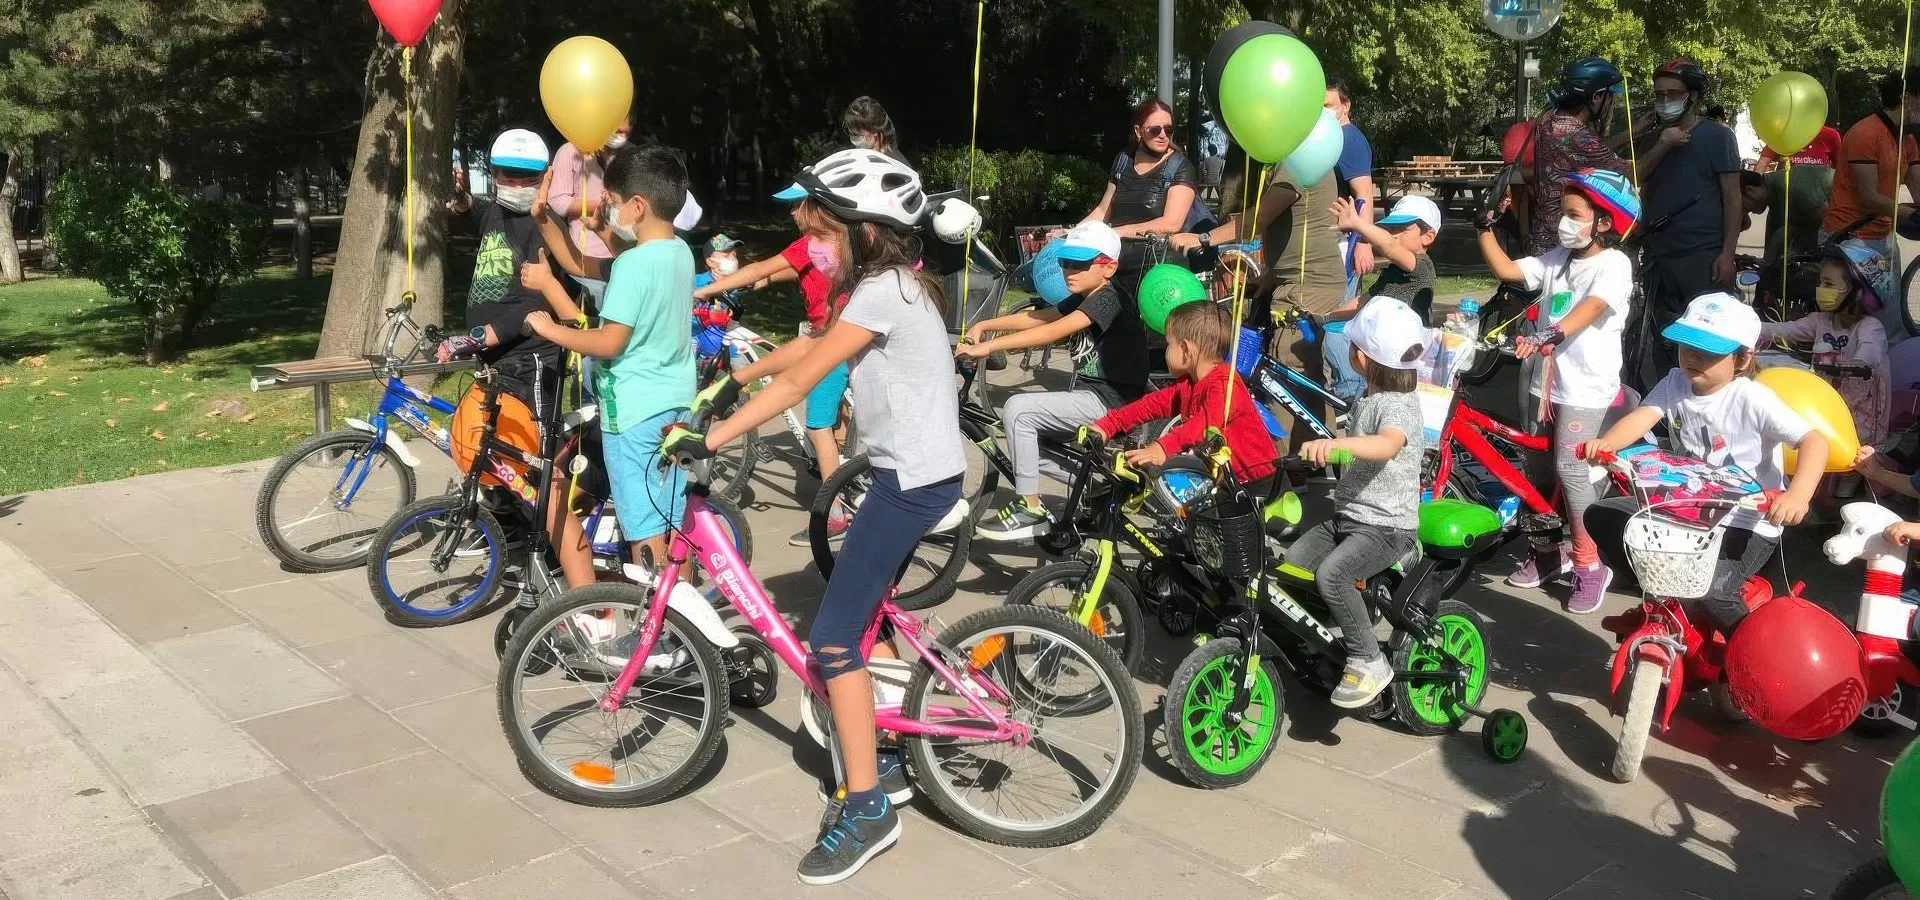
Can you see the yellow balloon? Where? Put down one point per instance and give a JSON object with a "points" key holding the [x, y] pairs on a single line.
{"points": [[1788, 111], [587, 89], [1818, 403]]}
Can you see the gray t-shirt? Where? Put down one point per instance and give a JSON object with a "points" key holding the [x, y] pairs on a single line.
{"points": [[1687, 186], [904, 398], [1386, 494]]}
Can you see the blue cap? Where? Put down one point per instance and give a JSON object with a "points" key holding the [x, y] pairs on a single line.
{"points": [[792, 194]]}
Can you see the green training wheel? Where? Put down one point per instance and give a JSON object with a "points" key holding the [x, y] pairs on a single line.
{"points": [[1504, 735]]}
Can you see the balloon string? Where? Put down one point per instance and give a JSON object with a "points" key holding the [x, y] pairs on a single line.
{"points": [[1786, 228], [973, 142], [1633, 152], [406, 65]]}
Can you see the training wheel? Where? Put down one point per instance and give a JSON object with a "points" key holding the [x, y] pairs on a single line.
{"points": [[753, 673], [1504, 735]]}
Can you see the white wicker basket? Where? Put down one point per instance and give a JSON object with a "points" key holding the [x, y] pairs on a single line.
{"points": [[1671, 559]]}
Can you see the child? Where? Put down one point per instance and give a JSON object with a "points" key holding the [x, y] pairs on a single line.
{"points": [[650, 381], [1584, 291], [1199, 337], [1845, 333], [1112, 370], [723, 259], [1717, 414], [1377, 503], [1402, 239]]}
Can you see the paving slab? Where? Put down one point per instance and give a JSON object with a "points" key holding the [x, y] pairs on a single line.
{"points": [[262, 833], [145, 599], [244, 672], [392, 669], [128, 862], [331, 738], [383, 878], [572, 875]]}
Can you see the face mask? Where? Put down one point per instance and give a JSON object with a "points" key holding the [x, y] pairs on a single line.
{"points": [[1827, 298], [726, 265], [863, 140], [518, 199], [824, 256], [624, 231], [1575, 235], [617, 141], [1670, 110]]}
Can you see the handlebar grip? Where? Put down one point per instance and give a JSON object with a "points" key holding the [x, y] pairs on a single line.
{"points": [[1340, 457]]}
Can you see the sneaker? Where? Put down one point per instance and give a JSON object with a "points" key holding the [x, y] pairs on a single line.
{"points": [[1589, 589], [1540, 568], [1017, 521], [1362, 682], [893, 783], [836, 526], [666, 656], [849, 843]]}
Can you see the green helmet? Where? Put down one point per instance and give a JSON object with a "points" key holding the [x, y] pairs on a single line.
{"points": [[1164, 287]]}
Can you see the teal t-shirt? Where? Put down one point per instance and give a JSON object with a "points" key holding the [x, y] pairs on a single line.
{"points": [[650, 291]]}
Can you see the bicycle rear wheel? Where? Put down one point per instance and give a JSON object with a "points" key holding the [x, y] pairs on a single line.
{"points": [[1080, 760], [1910, 297], [559, 666], [733, 466], [322, 503], [932, 572]]}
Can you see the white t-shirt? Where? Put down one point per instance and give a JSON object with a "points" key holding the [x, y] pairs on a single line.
{"points": [[903, 395], [1743, 423], [1586, 368]]}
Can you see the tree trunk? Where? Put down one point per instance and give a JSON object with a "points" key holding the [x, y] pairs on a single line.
{"points": [[370, 269], [9, 197], [302, 225]]}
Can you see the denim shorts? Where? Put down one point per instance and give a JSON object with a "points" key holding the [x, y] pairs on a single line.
{"points": [[646, 498], [823, 402]]}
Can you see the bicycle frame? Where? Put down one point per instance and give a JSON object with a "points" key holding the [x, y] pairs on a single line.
{"points": [[1470, 428], [1271, 382], [702, 533]]}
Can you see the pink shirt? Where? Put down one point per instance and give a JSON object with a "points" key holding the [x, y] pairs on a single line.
{"points": [[576, 177]]}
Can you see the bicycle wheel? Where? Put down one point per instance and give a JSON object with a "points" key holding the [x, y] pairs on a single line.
{"points": [[1910, 297], [738, 527], [418, 591], [323, 501], [1117, 618], [1210, 748], [1872, 880], [1077, 762], [1435, 705], [932, 572], [733, 466], [555, 672], [1636, 721]]}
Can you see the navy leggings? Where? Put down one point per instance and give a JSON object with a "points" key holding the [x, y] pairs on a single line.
{"points": [[889, 523]]}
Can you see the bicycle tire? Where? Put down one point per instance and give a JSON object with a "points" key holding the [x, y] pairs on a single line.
{"points": [[1908, 301], [927, 770], [733, 466], [379, 581], [1871, 880], [710, 672], [947, 551], [1200, 687], [1636, 721], [1117, 596], [266, 519]]}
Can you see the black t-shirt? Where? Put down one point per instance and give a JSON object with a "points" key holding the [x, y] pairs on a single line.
{"points": [[1142, 198], [497, 297], [1110, 358]]}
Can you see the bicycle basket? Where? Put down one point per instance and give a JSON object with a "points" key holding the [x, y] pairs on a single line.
{"points": [[1249, 357], [1671, 559], [1224, 535]]}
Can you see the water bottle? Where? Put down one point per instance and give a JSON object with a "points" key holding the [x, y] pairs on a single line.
{"points": [[1462, 338]]}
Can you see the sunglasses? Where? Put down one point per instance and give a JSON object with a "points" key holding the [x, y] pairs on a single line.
{"points": [[1159, 130], [1081, 265]]}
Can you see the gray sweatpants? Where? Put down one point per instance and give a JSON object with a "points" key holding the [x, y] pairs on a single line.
{"points": [[1027, 415], [1341, 553]]}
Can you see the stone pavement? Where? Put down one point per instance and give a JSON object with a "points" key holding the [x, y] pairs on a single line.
{"points": [[180, 718]]}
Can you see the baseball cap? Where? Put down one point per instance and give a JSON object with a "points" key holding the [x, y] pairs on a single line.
{"points": [[1385, 329], [520, 150], [792, 193], [1089, 241], [1414, 209], [690, 213], [1716, 323], [721, 243]]}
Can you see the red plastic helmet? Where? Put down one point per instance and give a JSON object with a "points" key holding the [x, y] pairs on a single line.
{"points": [[1797, 670], [1687, 72]]}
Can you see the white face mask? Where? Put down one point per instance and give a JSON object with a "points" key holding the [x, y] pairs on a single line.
{"points": [[615, 142], [862, 140], [624, 231], [518, 199], [726, 265], [1575, 235], [1670, 110]]}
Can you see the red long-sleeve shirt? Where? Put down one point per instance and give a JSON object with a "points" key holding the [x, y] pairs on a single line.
{"points": [[1199, 404]]}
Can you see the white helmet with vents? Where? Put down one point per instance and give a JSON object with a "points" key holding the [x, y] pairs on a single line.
{"points": [[866, 186]]}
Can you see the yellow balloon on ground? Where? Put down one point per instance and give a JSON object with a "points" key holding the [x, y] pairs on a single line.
{"points": [[587, 89], [1788, 111], [1817, 402]]}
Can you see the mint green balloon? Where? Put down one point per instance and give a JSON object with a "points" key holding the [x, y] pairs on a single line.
{"points": [[1320, 151], [1271, 94]]}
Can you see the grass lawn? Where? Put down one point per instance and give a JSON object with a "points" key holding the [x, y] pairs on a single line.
{"points": [[1479, 287]]}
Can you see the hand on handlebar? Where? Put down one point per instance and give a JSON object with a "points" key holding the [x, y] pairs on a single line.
{"points": [[1089, 436], [681, 443], [1598, 451], [536, 322], [458, 346], [1324, 452], [722, 394], [1150, 455], [968, 349], [1541, 343]]}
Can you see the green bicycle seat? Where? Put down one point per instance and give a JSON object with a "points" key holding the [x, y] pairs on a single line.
{"points": [[1457, 529]]}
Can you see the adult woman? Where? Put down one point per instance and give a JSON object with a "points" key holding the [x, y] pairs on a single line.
{"points": [[574, 197], [1150, 189], [1568, 139], [869, 127], [894, 331]]}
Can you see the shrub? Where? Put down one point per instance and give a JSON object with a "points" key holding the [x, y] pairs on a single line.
{"points": [[157, 246], [1025, 188]]}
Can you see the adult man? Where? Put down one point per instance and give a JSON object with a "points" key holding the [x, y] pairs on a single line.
{"points": [[1355, 170], [1292, 215], [1867, 184], [1691, 180], [1570, 138]]}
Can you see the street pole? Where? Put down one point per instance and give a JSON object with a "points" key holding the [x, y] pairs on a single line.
{"points": [[1520, 80], [1166, 51]]}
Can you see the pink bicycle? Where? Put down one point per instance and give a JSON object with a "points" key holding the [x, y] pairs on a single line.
{"points": [[1021, 726]]}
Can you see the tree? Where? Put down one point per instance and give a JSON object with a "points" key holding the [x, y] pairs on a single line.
{"points": [[370, 272]]}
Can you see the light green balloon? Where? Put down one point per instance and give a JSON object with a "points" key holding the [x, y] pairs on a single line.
{"points": [[1900, 817], [1271, 94]]}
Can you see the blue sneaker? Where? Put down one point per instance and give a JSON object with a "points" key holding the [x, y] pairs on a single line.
{"points": [[851, 841]]}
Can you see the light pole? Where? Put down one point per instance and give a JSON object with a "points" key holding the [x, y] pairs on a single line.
{"points": [[1166, 51]]}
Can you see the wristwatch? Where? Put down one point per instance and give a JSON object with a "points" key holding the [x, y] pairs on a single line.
{"points": [[478, 333], [1206, 240]]}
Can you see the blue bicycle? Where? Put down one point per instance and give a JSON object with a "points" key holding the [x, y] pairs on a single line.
{"points": [[324, 500]]}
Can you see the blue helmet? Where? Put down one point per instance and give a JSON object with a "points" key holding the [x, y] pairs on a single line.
{"points": [[1048, 279], [1612, 193], [1585, 77]]}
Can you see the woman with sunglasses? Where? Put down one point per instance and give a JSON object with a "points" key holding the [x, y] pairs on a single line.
{"points": [[1150, 190]]}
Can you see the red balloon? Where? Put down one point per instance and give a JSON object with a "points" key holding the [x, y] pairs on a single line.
{"points": [[406, 20], [1797, 670]]}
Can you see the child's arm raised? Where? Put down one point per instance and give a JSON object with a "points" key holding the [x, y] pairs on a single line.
{"points": [[1503, 266], [1347, 217], [770, 269], [605, 342]]}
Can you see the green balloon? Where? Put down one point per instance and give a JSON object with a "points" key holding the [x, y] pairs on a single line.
{"points": [[1271, 94], [1900, 817], [1164, 287]]}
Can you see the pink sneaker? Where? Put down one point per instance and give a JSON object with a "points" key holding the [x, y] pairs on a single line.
{"points": [[836, 526], [1589, 589], [1540, 568]]}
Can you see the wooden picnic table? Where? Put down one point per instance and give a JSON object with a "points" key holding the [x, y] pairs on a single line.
{"points": [[1446, 177]]}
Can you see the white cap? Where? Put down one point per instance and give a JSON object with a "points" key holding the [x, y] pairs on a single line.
{"points": [[1717, 323], [1089, 241], [690, 213], [1414, 208], [520, 150], [1385, 330]]}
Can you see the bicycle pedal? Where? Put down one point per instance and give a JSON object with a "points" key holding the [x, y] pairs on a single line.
{"points": [[1538, 523]]}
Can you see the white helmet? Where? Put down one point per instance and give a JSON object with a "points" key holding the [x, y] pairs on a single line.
{"points": [[955, 221], [865, 186]]}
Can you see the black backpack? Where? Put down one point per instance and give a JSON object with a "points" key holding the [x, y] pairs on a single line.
{"points": [[1198, 214]]}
